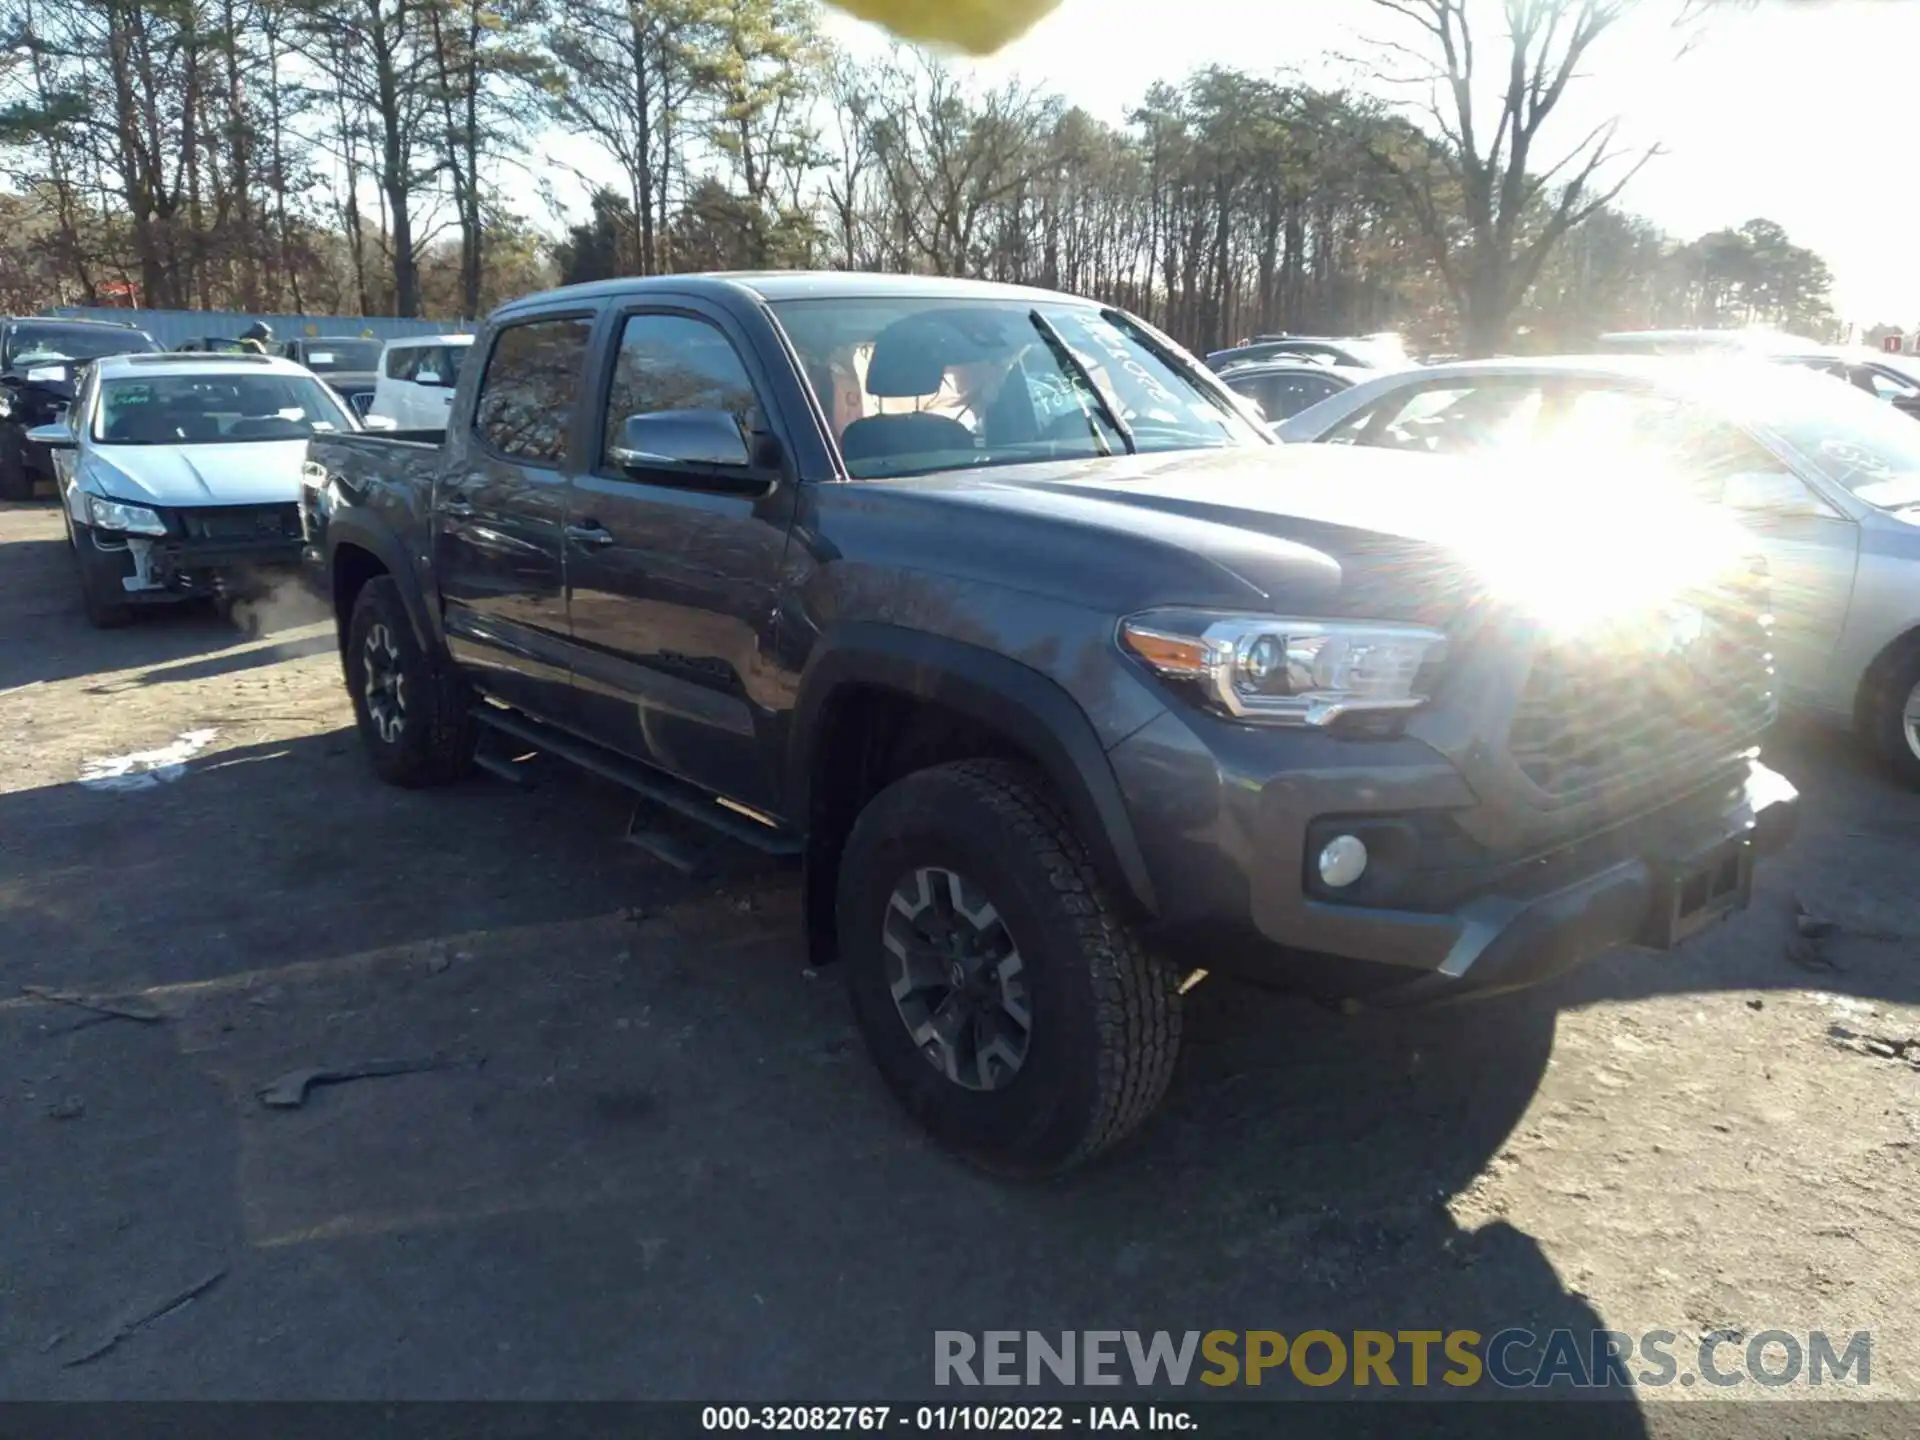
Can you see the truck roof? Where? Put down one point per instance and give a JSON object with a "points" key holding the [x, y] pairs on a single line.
{"points": [[788, 285]]}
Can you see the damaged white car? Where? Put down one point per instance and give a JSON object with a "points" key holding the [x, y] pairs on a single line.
{"points": [[180, 475]]}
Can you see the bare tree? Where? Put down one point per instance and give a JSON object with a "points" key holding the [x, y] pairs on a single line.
{"points": [[628, 72], [1489, 206]]}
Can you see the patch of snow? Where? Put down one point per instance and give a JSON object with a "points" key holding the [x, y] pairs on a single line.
{"points": [[146, 769]]}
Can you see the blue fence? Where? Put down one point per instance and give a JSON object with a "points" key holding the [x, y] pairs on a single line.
{"points": [[174, 327]]}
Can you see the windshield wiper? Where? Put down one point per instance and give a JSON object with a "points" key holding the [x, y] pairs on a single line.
{"points": [[1197, 375], [1064, 357]]}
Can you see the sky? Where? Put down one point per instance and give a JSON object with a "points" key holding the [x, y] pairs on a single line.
{"points": [[1800, 112]]}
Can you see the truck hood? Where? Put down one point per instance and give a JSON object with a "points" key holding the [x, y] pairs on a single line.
{"points": [[256, 472], [1378, 534]]}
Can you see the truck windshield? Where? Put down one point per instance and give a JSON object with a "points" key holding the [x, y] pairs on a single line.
{"points": [[53, 343], [913, 385], [215, 410]]}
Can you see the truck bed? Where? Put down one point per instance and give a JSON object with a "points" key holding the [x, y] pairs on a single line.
{"points": [[389, 471]]}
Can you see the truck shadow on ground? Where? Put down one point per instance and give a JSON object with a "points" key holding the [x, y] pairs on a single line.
{"points": [[658, 1162]]}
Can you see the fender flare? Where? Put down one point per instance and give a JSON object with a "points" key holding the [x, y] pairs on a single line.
{"points": [[998, 693], [347, 527]]}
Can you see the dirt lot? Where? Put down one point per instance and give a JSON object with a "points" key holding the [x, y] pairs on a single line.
{"points": [[657, 1164]]}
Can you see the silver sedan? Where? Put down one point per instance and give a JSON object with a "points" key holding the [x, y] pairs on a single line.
{"points": [[1823, 476]]}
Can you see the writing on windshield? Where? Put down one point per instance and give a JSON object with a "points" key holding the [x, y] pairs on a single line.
{"points": [[919, 384], [214, 410]]}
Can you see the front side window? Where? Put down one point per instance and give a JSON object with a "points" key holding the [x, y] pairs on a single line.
{"points": [[525, 405], [1884, 384], [214, 409], [915, 385], [400, 360], [674, 362]]}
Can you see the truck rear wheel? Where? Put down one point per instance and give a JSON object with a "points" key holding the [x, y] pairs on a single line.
{"points": [[1008, 1004], [412, 712]]}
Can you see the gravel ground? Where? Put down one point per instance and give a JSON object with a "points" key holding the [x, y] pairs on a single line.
{"points": [[655, 1163]]}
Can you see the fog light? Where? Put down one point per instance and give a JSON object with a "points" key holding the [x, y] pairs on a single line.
{"points": [[1342, 861]]}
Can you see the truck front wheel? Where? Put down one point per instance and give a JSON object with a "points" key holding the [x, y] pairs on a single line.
{"points": [[412, 713], [1006, 1001]]}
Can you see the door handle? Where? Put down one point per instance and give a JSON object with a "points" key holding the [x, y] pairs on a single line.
{"points": [[592, 533]]}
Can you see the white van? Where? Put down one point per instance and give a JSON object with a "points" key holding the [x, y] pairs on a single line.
{"points": [[416, 380]]}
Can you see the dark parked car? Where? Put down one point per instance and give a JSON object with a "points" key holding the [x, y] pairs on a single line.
{"points": [[215, 345], [1360, 352], [349, 364], [1287, 386], [1065, 682], [40, 363]]}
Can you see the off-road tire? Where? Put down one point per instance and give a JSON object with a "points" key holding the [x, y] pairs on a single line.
{"points": [[101, 593], [1882, 715], [1105, 1012], [435, 742]]}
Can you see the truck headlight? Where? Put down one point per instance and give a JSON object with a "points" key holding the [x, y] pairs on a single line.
{"points": [[1279, 671], [129, 519]]}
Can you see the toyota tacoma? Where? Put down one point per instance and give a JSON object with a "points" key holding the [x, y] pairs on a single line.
{"points": [[1065, 682]]}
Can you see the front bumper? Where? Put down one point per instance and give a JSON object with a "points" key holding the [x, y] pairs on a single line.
{"points": [[1640, 896], [1227, 834], [158, 569]]}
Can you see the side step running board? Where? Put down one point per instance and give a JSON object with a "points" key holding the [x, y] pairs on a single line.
{"points": [[651, 784]]}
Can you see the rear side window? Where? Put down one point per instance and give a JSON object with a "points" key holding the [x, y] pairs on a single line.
{"points": [[400, 360], [533, 375], [674, 362]]}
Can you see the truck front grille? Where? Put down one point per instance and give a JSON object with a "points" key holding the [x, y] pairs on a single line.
{"points": [[243, 522], [1686, 686]]}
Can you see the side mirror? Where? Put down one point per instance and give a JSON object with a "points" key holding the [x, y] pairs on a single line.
{"points": [[54, 437], [427, 377], [681, 437], [378, 422]]}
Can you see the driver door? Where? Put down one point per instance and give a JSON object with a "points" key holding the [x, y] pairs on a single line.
{"points": [[673, 569]]}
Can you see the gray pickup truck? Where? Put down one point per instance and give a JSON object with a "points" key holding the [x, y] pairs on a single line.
{"points": [[1064, 681]]}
